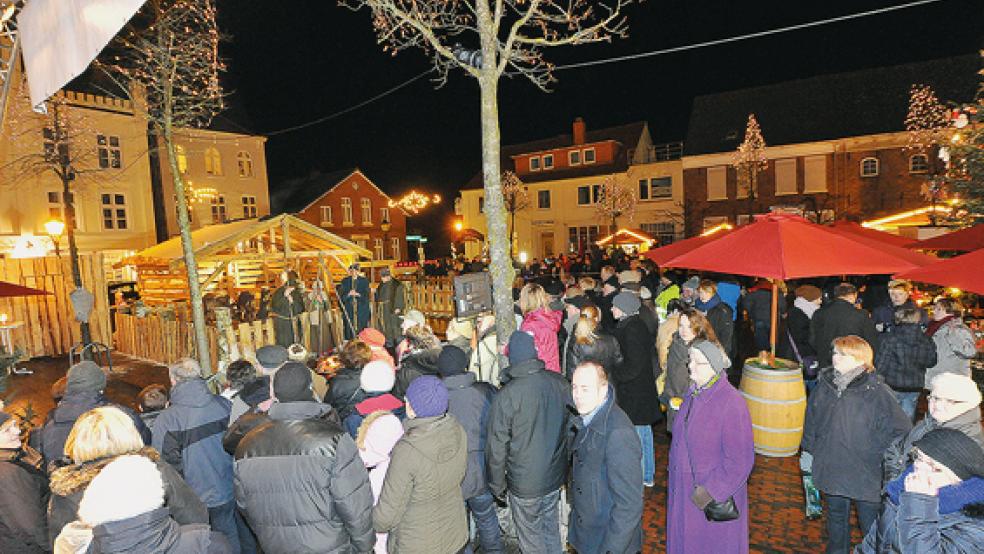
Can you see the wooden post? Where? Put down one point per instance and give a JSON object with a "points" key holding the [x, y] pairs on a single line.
{"points": [[775, 315]]}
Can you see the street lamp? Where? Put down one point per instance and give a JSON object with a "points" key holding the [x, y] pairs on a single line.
{"points": [[385, 226], [54, 229]]}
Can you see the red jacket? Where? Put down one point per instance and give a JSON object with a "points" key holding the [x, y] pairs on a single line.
{"points": [[544, 324]]}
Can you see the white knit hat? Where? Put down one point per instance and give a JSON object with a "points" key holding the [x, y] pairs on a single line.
{"points": [[377, 376], [957, 388], [127, 487]]}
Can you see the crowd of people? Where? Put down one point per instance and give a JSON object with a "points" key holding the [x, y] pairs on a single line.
{"points": [[414, 444]]}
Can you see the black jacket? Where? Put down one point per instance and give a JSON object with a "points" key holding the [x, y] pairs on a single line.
{"points": [[650, 318], [798, 327], [634, 380], [345, 391], [470, 402], [603, 350], [677, 376], [529, 421], [413, 366], [155, 532], [301, 485], [839, 318], [903, 356], [22, 500], [722, 321], [848, 432]]}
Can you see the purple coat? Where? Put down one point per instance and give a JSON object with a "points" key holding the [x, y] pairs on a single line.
{"points": [[719, 431]]}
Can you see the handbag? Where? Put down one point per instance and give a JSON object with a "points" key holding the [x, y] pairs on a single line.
{"points": [[809, 363], [714, 511]]}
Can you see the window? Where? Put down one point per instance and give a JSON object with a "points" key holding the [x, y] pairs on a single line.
{"points": [[589, 155], [655, 188], [786, 176], [249, 206], [744, 219], [110, 155], [588, 194], [664, 233], [714, 221], [548, 161], [869, 167], [56, 208], [245, 163], [326, 215], [377, 248], [919, 164], [346, 211], [574, 157], [395, 248], [481, 204], [717, 183], [815, 174], [114, 211], [366, 206], [384, 215], [534, 163], [581, 237], [219, 209], [361, 243], [213, 161], [543, 199], [181, 157]]}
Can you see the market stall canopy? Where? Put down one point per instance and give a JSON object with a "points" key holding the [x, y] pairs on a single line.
{"points": [[782, 246], [876, 242], [666, 253], [881, 236], [964, 240], [627, 236], [8, 290], [963, 272], [471, 234]]}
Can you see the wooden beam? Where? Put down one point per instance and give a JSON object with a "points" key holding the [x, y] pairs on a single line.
{"points": [[285, 231]]}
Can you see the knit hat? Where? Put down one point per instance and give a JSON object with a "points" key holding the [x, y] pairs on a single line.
{"points": [[271, 356], [955, 450], [693, 283], [459, 328], [377, 376], [452, 361], [256, 391], [627, 302], [579, 301], [292, 383], [414, 316], [809, 292], [714, 354], [103, 501], [380, 435], [957, 388], [427, 396], [553, 288], [629, 276], [520, 348], [372, 337], [85, 376]]}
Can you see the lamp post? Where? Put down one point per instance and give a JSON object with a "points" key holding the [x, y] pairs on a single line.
{"points": [[384, 225], [54, 229], [458, 226]]}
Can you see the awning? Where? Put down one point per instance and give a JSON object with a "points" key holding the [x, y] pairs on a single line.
{"points": [[964, 240], [627, 236], [963, 272]]}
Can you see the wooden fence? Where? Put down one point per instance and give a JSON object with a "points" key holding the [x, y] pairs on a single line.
{"points": [[49, 326]]}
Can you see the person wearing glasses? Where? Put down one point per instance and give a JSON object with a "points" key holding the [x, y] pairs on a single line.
{"points": [[851, 417]]}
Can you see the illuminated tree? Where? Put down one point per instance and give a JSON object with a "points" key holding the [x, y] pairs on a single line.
{"points": [[748, 160], [516, 197], [966, 157], [511, 36], [615, 199], [928, 124]]}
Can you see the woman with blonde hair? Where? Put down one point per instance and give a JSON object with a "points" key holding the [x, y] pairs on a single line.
{"points": [[590, 343], [851, 418], [421, 358], [691, 326], [541, 322], [98, 437]]}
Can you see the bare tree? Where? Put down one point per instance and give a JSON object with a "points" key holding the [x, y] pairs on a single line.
{"points": [[928, 123], [615, 199], [748, 160], [170, 53], [511, 36], [517, 198]]}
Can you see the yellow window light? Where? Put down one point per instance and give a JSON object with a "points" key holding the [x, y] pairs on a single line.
{"points": [[717, 228]]}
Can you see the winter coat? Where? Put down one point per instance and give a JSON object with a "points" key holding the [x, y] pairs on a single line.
{"points": [[357, 311], [470, 402], [722, 321], [664, 296], [299, 449], [712, 437], [896, 456], [391, 301], [421, 506], [25, 493], [544, 325], [69, 483], [884, 315], [414, 365], [649, 316], [635, 383], [954, 349], [839, 318], [848, 432], [606, 483], [798, 328], [155, 532], [758, 303], [951, 522], [485, 359], [50, 439], [730, 294], [667, 330], [189, 433], [677, 376], [526, 452], [903, 356], [345, 391], [286, 324], [604, 350]]}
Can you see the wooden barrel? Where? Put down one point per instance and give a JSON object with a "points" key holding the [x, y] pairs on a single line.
{"points": [[777, 403]]}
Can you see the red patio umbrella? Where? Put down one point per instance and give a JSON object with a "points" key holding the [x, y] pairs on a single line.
{"points": [[881, 236], [964, 240], [666, 253], [10, 289], [876, 242], [963, 272]]}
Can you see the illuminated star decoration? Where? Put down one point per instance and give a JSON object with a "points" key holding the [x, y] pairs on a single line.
{"points": [[415, 201]]}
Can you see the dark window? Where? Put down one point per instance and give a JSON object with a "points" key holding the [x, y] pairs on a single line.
{"points": [[584, 195], [110, 155], [661, 187], [543, 199], [548, 161], [589, 156]]}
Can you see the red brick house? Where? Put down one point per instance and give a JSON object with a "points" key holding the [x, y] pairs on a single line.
{"points": [[350, 205]]}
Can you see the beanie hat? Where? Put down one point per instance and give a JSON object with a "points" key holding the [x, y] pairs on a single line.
{"points": [[714, 354], [414, 317], [452, 361], [427, 396], [271, 356], [459, 328], [809, 292], [955, 450], [520, 347], [627, 302], [292, 383], [692, 283], [379, 432], [377, 376], [957, 388], [85, 376], [103, 501], [554, 288], [372, 337], [256, 391]]}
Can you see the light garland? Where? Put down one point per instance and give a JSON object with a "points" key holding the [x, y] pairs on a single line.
{"points": [[750, 158], [414, 201], [615, 200]]}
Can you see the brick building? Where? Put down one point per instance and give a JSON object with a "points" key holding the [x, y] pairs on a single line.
{"points": [[350, 205]]}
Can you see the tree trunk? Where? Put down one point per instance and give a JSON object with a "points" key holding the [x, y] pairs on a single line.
{"points": [[73, 250], [512, 233]]}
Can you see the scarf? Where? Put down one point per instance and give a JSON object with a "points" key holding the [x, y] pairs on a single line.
{"points": [[805, 306], [951, 498], [706, 306], [842, 380], [934, 326]]}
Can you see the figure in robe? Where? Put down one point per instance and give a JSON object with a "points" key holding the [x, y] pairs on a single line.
{"points": [[286, 305], [391, 303], [353, 293]]}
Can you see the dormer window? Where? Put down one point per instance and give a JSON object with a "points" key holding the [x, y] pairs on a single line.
{"points": [[548, 161], [589, 155], [535, 163], [574, 157]]}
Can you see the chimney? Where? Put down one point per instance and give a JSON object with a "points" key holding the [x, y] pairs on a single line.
{"points": [[578, 131]]}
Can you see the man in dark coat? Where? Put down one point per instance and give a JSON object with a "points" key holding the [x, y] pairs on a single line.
{"points": [[287, 303], [299, 446], [718, 314], [903, 357], [354, 294], [469, 401], [526, 452], [391, 302], [606, 481], [22, 514], [635, 383], [840, 318], [898, 298]]}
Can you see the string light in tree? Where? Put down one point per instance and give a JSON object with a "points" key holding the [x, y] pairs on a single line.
{"points": [[615, 200], [750, 158], [927, 121]]}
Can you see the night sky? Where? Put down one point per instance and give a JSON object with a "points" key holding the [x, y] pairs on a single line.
{"points": [[293, 61]]}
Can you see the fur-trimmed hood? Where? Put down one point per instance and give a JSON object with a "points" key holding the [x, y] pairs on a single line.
{"points": [[76, 477]]}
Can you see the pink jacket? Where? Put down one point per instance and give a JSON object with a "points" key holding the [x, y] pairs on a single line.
{"points": [[544, 325]]}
